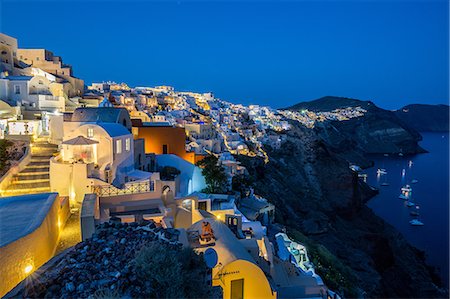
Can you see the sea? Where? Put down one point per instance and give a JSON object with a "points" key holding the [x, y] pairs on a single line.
{"points": [[430, 194]]}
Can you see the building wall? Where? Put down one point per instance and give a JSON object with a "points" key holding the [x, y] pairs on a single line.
{"points": [[199, 131], [173, 137], [9, 45], [140, 115], [45, 60], [256, 284], [107, 154], [34, 249]]}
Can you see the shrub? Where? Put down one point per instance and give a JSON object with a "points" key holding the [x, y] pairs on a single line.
{"points": [[169, 173], [172, 273], [215, 177]]}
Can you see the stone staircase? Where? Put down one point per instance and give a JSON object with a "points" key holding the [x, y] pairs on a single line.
{"points": [[35, 178]]}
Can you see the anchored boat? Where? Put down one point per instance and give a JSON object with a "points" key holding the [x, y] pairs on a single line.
{"points": [[406, 192], [381, 171], [416, 222]]}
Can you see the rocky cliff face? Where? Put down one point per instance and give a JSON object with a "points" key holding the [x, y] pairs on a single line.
{"points": [[378, 132], [425, 118], [321, 201]]}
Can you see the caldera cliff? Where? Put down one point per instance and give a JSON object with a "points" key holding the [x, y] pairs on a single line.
{"points": [[322, 204]]}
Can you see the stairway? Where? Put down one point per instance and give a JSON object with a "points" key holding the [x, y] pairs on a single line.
{"points": [[35, 178]]}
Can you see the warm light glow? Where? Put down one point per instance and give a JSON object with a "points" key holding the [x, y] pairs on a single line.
{"points": [[28, 269], [219, 216]]}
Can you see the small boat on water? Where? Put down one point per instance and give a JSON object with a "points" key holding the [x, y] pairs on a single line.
{"points": [[406, 188], [414, 181], [384, 184], [386, 155], [410, 204], [416, 222], [400, 154], [410, 163], [381, 171], [416, 212], [406, 192]]}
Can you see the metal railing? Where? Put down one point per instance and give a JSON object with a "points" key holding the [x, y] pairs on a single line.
{"points": [[129, 188]]}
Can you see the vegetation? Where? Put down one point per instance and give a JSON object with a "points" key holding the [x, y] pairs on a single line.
{"points": [[215, 177], [169, 173], [337, 276], [170, 273], [242, 184], [4, 154]]}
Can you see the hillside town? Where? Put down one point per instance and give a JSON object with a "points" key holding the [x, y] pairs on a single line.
{"points": [[85, 155]]}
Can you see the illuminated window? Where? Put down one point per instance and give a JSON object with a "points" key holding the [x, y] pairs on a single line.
{"points": [[127, 144], [118, 146], [90, 133], [16, 89]]}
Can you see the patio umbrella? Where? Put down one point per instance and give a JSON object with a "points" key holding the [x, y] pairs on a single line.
{"points": [[80, 140]]}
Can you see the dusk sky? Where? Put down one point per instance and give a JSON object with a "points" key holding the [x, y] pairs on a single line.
{"points": [[277, 54]]}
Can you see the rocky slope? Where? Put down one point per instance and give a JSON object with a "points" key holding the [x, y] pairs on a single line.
{"points": [[425, 118], [322, 203], [378, 132], [122, 261]]}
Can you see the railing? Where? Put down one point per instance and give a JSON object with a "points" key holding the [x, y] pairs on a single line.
{"points": [[130, 188]]}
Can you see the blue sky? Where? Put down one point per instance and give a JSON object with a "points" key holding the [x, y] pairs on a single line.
{"points": [[265, 52]]}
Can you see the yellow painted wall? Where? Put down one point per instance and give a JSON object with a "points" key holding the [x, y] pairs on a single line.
{"points": [[33, 249], [256, 284]]}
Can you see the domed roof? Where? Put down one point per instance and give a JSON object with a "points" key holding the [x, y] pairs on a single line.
{"points": [[105, 103]]}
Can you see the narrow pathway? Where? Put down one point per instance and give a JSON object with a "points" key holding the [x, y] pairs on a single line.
{"points": [[71, 234]]}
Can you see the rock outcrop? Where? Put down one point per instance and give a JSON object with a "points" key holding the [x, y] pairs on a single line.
{"points": [[378, 132], [112, 263], [425, 118]]}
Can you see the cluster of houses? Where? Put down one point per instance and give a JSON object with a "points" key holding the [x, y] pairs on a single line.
{"points": [[112, 146], [310, 118]]}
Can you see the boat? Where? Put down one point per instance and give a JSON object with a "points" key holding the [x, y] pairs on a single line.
{"points": [[406, 192], [381, 171], [410, 204], [416, 212], [414, 181], [384, 184], [416, 222], [386, 155], [410, 163], [400, 154]]}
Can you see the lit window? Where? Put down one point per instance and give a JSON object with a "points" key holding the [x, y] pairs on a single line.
{"points": [[118, 146], [127, 144], [90, 133], [16, 89]]}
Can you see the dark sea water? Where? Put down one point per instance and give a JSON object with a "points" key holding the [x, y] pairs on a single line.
{"points": [[431, 193]]}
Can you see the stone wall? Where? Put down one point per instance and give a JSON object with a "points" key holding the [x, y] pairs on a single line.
{"points": [[34, 249]]}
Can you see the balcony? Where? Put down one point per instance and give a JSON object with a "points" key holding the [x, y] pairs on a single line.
{"points": [[129, 188]]}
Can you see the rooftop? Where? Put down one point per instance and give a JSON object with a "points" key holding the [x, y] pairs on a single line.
{"points": [[114, 130], [97, 114], [19, 78]]}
